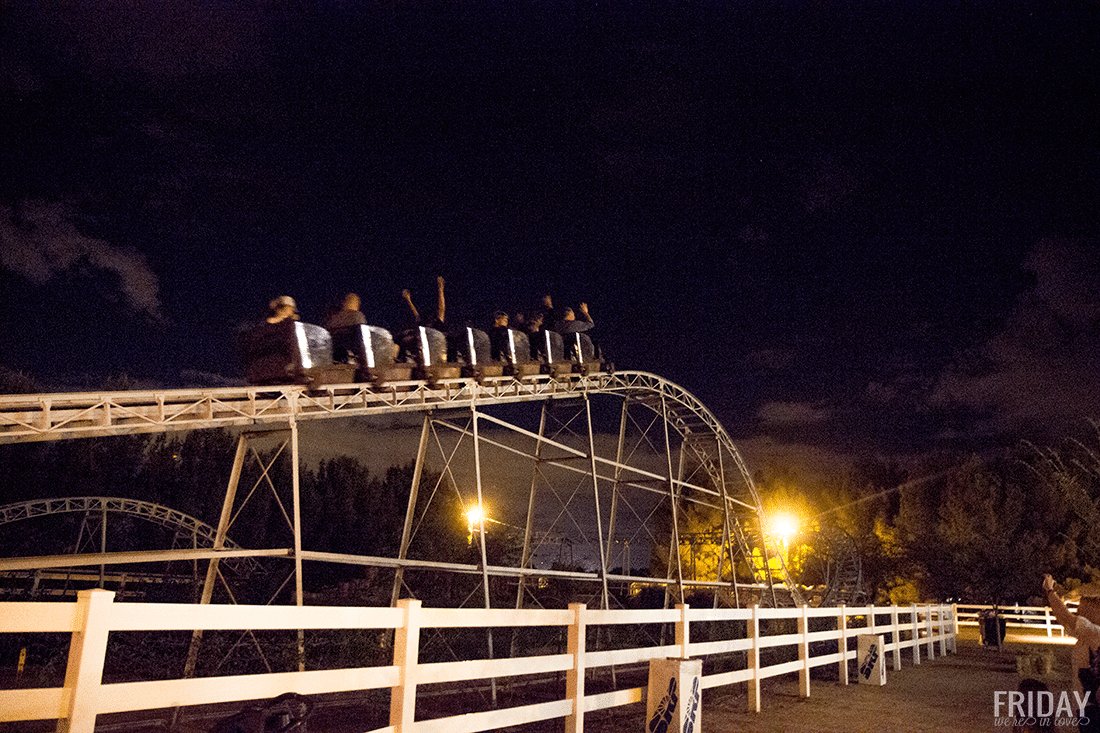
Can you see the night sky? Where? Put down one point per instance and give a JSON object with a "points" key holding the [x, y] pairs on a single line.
{"points": [[862, 228]]}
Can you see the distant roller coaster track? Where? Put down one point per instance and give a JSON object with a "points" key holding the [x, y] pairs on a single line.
{"points": [[202, 532]]}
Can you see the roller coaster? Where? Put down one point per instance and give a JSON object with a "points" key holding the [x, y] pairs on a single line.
{"points": [[610, 454]]}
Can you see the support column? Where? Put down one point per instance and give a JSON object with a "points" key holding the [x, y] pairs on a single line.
{"points": [[410, 510], [297, 528], [727, 532], [103, 541], [219, 543], [615, 488], [481, 535], [527, 530], [673, 495], [596, 501]]}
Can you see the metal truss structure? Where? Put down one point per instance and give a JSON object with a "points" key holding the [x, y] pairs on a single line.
{"points": [[618, 463]]}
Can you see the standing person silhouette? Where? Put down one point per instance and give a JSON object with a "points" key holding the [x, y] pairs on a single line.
{"points": [[1085, 655]]}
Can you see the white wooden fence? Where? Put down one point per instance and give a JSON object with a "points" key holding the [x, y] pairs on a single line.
{"points": [[95, 615], [1028, 619]]}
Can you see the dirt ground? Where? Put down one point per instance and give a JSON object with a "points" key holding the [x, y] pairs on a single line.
{"points": [[949, 694]]}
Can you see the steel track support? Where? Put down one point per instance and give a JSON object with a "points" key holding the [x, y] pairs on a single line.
{"points": [[212, 566], [528, 527], [219, 543], [673, 496], [623, 415], [767, 558], [481, 536], [596, 500], [410, 510], [297, 529], [727, 533]]}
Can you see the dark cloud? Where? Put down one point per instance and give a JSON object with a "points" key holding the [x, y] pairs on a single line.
{"points": [[39, 240], [792, 413], [1039, 371]]}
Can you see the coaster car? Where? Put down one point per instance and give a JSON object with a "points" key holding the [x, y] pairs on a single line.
{"points": [[429, 348], [291, 352], [474, 351], [512, 348], [372, 351], [552, 352], [582, 353]]}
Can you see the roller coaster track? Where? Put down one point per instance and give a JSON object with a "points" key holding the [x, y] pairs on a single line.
{"points": [[47, 417], [202, 532]]}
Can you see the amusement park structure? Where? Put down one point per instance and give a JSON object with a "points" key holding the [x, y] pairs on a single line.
{"points": [[598, 459]]}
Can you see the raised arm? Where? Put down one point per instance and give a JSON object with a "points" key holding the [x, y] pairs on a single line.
{"points": [[584, 314], [440, 304], [1057, 607], [408, 299]]}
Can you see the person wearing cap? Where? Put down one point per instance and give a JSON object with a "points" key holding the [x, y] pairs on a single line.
{"points": [[270, 350], [282, 308], [1085, 655]]}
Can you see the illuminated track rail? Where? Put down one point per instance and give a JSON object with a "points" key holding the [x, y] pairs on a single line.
{"points": [[39, 417]]}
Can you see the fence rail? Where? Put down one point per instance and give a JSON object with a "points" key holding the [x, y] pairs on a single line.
{"points": [[94, 615], [1025, 618]]}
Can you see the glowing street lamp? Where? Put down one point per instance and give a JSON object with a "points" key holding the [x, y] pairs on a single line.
{"points": [[784, 528], [475, 517]]}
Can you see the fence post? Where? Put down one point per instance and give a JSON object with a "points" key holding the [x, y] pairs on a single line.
{"points": [[406, 653], [574, 679], [842, 630], [942, 623], [916, 633], [87, 650], [871, 620], [954, 628], [895, 633], [1047, 616], [754, 659], [804, 652], [683, 634], [931, 639]]}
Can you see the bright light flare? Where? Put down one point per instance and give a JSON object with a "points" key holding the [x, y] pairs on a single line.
{"points": [[784, 527], [475, 516]]}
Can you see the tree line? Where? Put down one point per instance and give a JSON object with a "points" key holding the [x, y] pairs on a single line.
{"points": [[980, 529]]}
